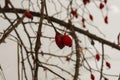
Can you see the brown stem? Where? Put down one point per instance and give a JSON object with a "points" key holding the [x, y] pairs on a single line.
{"points": [[6, 4], [62, 23], [101, 71], [38, 42], [78, 55], [18, 61]]}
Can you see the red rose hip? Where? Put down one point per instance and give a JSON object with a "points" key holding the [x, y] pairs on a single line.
{"points": [[58, 40], [67, 40]]}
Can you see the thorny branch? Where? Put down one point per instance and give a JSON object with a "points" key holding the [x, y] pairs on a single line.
{"points": [[87, 33]]}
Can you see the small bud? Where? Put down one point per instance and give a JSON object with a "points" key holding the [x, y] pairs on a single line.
{"points": [[106, 19], [92, 77], [83, 20], [67, 58], [84, 26], [86, 1], [74, 13], [41, 53], [69, 21], [92, 42], [97, 57], [101, 6], [108, 64], [105, 1], [91, 17], [45, 69]]}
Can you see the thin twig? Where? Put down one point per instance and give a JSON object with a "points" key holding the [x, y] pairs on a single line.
{"points": [[5, 35], [101, 71]]}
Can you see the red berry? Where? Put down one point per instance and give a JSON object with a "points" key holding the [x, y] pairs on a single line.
{"points": [[97, 57], [28, 15], [105, 1], [108, 65], [91, 17], [101, 6], [67, 40], [84, 26], [58, 40], [92, 77], [106, 19]]}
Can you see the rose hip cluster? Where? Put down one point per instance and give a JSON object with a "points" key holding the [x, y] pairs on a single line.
{"points": [[63, 40]]}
